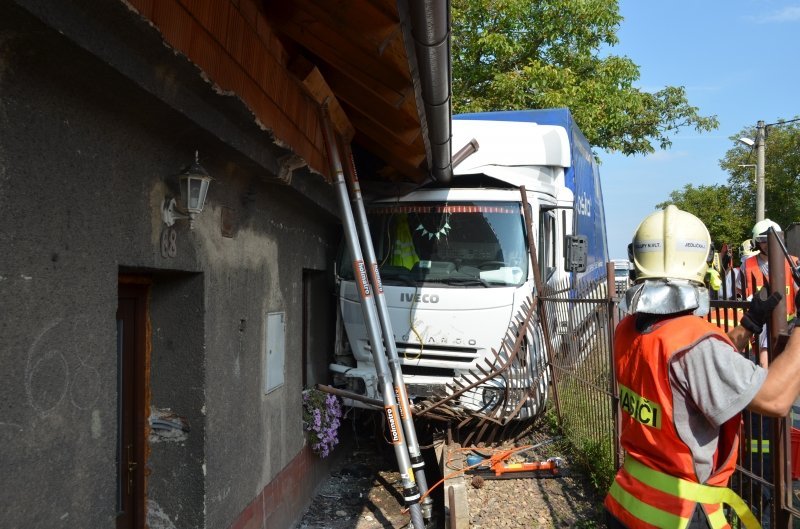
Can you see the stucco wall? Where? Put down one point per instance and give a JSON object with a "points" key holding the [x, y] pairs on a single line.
{"points": [[87, 156]]}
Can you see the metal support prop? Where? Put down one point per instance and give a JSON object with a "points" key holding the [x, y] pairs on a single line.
{"points": [[779, 427], [539, 285], [417, 461], [411, 493]]}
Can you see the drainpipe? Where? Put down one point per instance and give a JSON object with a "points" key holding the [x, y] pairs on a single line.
{"points": [[430, 28]]}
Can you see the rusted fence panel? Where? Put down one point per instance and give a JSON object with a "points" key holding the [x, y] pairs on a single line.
{"points": [[580, 317]]}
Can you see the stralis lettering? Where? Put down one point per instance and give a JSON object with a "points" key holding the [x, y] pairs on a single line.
{"points": [[394, 429], [419, 298]]}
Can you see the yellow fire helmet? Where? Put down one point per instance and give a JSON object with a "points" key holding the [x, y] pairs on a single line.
{"points": [[747, 249], [761, 227], [671, 244]]}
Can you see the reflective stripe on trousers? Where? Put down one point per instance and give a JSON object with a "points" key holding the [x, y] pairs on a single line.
{"points": [[759, 446]]}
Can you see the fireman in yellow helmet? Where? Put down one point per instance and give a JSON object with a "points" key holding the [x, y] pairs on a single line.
{"points": [[683, 384]]}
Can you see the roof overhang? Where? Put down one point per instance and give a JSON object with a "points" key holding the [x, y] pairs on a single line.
{"points": [[387, 65]]}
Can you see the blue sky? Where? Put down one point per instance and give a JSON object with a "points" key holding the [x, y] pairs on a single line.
{"points": [[737, 59]]}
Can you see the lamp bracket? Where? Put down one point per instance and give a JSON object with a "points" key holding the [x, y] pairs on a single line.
{"points": [[170, 212]]}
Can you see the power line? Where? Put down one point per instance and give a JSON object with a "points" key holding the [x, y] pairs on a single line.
{"points": [[782, 122]]}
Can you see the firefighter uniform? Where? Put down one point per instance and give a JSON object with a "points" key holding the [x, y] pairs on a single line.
{"points": [[682, 385], [658, 485]]}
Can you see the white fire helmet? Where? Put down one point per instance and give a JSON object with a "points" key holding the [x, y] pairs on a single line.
{"points": [[671, 244], [761, 228]]}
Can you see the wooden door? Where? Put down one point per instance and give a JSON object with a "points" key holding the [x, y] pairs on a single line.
{"points": [[132, 340]]}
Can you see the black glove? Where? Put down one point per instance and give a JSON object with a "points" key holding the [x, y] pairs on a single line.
{"points": [[760, 308]]}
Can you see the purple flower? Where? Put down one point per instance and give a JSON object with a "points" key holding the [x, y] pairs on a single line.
{"points": [[321, 413]]}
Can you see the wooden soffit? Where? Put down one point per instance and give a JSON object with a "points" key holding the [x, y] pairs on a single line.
{"points": [[357, 51]]}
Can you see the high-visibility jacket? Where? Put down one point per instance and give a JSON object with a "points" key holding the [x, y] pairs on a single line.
{"points": [[725, 318], [714, 279], [404, 254], [754, 279], [658, 486]]}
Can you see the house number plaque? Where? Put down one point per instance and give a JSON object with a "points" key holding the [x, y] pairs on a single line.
{"points": [[169, 237]]}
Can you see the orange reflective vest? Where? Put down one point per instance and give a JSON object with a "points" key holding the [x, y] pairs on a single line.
{"points": [[725, 318], [657, 486], [754, 279]]}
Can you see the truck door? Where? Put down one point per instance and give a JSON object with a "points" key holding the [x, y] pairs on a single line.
{"points": [[548, 246]]}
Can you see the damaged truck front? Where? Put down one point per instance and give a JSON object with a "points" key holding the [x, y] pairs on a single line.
{"points": [[456, 268]]}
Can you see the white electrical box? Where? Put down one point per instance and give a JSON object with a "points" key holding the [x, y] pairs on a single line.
{"points": [[275, 351]]}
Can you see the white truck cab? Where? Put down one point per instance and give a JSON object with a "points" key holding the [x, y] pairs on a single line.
{"points": [[455, 264]]}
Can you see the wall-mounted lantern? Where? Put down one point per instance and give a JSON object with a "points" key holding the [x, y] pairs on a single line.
{"points": [[194, 182]]}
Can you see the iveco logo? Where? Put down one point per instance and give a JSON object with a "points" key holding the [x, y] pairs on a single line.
{"points": [[419, 298]]}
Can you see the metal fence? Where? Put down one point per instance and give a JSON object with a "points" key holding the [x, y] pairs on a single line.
{"points": [[579, 320], [766, 474]]}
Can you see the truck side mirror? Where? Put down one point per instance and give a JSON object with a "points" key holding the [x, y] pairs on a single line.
{"points": [[576, 250]]}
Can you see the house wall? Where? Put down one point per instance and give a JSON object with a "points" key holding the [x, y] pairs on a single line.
{"points": [[97, 116]]}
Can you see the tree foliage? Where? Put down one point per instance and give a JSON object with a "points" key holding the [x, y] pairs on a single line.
{"points": [[718, 208], [519, 54], [729, 211]]}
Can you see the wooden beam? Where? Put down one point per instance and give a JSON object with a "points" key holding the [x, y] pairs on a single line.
{"points": [[340, 52], [360, 21], [407, 161], [368, 26], [314, 83], [385, 128], [404, 114]]}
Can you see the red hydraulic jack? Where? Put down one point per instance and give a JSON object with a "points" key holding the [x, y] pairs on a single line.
{"points": [[497, 467]]}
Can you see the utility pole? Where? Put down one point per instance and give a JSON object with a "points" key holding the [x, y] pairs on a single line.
{"points": [[760, 148]]}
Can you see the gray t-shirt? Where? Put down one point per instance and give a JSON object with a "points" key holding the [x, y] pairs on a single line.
{"points": [[711, 382]]}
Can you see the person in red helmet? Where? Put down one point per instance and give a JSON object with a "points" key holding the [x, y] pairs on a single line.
{"points": [[683, 384]]}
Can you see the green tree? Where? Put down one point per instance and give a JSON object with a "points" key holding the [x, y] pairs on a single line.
{"points": [[718, 208], [520, 54], [781, 173]]}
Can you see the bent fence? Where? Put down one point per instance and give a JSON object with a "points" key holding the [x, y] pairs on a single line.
{"points": [[579, 321], [580, 318]]}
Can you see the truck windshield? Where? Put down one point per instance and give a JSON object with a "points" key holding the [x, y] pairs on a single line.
{"points": [[458, 244]]}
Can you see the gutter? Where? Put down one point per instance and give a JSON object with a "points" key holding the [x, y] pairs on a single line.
{"points": [[430, 30]]}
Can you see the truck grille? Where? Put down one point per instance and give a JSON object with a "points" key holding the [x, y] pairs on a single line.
{"points": [[438, 353]]}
